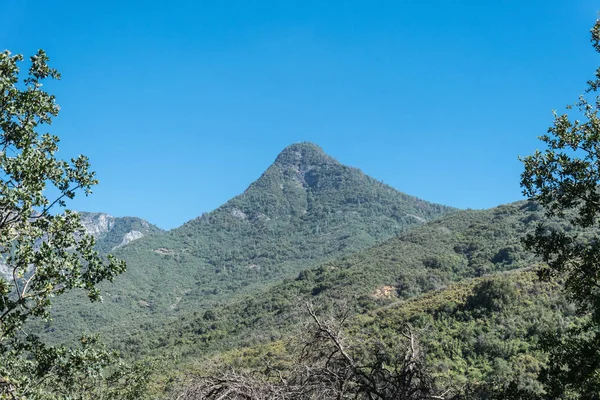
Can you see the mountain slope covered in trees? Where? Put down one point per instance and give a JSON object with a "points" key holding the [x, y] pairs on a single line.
{"points": [[305, 208], [466, 244], [480, 338], [463, 284], [482, 329]]}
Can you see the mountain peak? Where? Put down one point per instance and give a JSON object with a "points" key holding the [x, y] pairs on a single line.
{"points": [[303, 154]]}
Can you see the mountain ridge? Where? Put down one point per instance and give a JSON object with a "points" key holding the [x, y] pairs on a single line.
{"points": [[305, 208], [304, 165]]}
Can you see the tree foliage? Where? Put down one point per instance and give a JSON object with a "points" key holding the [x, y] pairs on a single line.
{"points": [[44, 249], [564, 179], [464, 350]]}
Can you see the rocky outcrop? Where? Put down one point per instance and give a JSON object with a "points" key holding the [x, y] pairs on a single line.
{"points": [[130, 237], [114, 232], [97, 224]]}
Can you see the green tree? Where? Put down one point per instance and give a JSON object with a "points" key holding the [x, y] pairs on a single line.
{"points": [[564, 179], [44, 249]]}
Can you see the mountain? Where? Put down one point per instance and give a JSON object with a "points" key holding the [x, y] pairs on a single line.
{"points": [[463, 282], [462, 245], [306, 208], [230, 286], [114, 232]]}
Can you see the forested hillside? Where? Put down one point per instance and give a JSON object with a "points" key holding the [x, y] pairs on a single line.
{"points": [[481, 338], [305, 208], [462, 283], [462, 245], [231, 287]]}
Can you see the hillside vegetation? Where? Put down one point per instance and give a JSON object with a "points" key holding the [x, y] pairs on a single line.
{"points": [[230, 288], [482, 338], [306, 208], [465, 244]]}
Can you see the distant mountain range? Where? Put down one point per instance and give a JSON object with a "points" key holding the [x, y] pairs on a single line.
{"points": [[306, 208]]}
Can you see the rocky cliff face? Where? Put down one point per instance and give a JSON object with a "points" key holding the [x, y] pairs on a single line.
{"points": [[130, 237], [97, 224], [114, 232]]}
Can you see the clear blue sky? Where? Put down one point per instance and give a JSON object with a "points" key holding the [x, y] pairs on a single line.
{"points": [[181, 104]]}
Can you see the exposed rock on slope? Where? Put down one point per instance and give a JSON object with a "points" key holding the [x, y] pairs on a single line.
{"points": [[113, 232]]}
